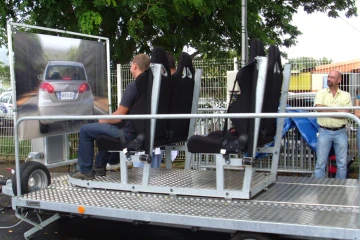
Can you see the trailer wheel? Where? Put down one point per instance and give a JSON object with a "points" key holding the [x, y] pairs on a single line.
{"points": [[33, 176], [249, 236]]}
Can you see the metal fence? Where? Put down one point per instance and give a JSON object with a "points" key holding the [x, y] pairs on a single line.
{"points": [[307, 77]]}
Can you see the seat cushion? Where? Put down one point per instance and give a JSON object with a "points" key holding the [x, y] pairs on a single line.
{"points": [[204, 144], [216, 134], [107, 143], [215, 141]]}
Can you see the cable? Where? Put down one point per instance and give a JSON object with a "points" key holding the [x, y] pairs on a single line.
{"points": [[349, 24], [14, 224], [4, 207]]}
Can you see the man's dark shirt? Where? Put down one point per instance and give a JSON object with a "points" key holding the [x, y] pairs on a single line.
{"points": [[129, 97]]}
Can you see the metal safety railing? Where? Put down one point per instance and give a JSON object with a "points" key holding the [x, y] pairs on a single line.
{"points": [[296, 155], [172, 116]]}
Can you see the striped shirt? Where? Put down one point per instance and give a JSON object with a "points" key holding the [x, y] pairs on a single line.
{"points": [[341, 99]]}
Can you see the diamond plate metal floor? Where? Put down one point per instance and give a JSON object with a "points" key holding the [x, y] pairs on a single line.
{"points": [[329, 206], [184, 178]]}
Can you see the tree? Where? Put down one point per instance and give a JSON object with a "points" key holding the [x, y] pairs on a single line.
{"points": [[4, 73], [303, 63], [212, 27]]}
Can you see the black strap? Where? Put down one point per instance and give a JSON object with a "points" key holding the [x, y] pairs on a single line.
{"points": [[122, 137], [123, 143], [231, 99]]}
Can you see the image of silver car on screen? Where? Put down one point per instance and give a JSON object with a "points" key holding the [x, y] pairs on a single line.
{"points": [[64, 90]]}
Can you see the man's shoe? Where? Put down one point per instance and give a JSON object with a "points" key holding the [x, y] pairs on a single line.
{"points": [[129, 165], [100, 171], [82, 176], [116, 167]]}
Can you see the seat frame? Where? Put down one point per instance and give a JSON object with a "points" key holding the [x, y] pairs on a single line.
{"points": [[136, 156], [164, 181]]}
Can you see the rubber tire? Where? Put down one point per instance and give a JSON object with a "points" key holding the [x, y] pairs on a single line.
{"points": [[26, 170], [44, 128], [249, 236]]}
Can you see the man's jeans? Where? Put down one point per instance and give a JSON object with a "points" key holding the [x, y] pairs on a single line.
{"points": [[88, 133], [326, 138]]}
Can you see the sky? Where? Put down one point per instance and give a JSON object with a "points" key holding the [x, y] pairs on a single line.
{"points": [[337, 39]]}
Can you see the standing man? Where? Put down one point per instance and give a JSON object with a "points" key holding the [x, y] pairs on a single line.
{"points": [[357, 113], [332, 130], [111, 127]]}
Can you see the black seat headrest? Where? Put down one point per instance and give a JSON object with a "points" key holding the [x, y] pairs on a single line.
{"points": [[256, 49], [158, 55], [185, 66], [56, 76], [182, 88]]}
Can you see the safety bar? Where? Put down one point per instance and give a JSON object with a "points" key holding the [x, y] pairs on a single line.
{"points": [[171, 116], [290, 108]]}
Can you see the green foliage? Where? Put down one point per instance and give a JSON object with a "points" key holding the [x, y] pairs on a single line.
{"points": [[212, 27], [5, 74], [89, 20], [102, 3], [7, 147], [136, 27], [302, 63]]}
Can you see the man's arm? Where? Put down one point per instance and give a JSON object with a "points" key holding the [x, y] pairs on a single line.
{"points": [[357, 103], [120, 111], [319, 103], [127, 100], [337, 110]]}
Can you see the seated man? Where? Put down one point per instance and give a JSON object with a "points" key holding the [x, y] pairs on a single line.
{"points": [[111, 127]]}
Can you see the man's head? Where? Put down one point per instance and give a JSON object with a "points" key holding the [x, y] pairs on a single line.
{"points": [[139, 64], [171, 60], [334, 78]]}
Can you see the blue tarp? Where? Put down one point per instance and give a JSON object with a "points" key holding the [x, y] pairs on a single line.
{"points": [[307, 127]]}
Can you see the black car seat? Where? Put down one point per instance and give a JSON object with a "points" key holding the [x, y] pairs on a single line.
{"points": [[75, 76], [56, 76], [107, 143], [241, 136], [158, 55], [142, 105], [182, 88], [245, 102], [219, 139], [274, 79]]}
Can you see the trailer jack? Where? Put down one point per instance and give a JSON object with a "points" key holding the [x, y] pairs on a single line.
{"points": [[37, 226]]}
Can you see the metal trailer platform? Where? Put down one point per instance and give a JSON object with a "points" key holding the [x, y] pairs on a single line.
{"points": [[296, 206]]}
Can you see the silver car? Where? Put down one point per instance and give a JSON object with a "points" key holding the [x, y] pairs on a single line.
{"points": [[6, 109], [64, 90]]}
